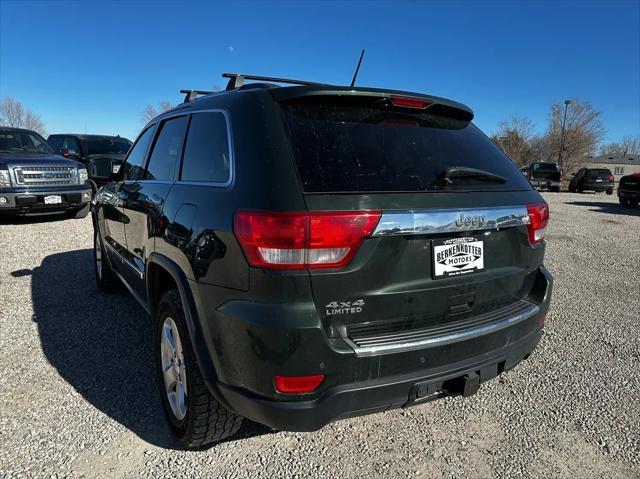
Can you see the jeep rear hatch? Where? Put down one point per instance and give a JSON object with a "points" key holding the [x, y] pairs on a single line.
{"points": [[453, 245]]}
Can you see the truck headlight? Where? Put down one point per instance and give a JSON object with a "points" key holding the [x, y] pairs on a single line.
{"points": [[5, 181], [83, 176]]}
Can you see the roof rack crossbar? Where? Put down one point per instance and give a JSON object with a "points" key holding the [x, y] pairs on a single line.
{"points": [[236, 80], [193, 94]]}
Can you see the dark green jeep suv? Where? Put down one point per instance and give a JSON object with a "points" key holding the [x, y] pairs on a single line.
{"points": [[315, 252]]}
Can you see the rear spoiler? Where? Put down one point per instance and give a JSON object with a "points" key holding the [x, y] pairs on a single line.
{"points": [[287, 94]]}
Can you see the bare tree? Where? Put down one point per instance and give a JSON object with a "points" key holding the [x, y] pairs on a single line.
{"points": [[630, 145], [150, 111], [583, 132], [514, 139], [13, 114]]}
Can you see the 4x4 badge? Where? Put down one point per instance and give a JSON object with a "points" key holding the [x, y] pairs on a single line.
{"points": [[344, 307]]}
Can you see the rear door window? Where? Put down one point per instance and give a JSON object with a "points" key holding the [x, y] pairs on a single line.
{"points": [[206, 154], [360, 145]]}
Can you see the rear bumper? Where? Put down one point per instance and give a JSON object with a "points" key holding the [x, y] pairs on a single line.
{"points": [[545, 183], [252, 343], [377, 396], [33, 202], [604, 186]]}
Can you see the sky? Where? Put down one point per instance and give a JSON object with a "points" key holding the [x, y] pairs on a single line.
{"points": [[94, 66]]}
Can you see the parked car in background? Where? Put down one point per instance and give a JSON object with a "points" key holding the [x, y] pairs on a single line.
{"points": [[592, 179], [629, 190], [259, 225], [36, 180], [97, 152], [543, 175]]}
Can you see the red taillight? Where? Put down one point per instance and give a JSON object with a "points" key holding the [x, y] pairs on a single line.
{"points": [[302, 240], [538, 219], [298, 384], [541, 320], [588, 178], [610, 178], [407, 102]]}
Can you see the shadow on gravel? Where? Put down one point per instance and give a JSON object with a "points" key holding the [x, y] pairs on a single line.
{"points": [[29, 220], [102, 346], [602, 207]]}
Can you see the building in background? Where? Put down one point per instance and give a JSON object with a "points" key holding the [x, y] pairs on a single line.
{"points": [[620, 165]]}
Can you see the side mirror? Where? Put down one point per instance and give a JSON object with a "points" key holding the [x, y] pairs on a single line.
{"points": [[73, 154], [104, 170]]}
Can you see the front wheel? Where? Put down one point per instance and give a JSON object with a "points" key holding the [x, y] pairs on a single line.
{"points": [[194, 415]]}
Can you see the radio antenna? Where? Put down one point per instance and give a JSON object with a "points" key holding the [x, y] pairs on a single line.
{"points": [[355, 75]]}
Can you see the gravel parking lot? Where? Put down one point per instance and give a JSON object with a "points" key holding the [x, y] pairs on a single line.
{"points": [[78, 396]]}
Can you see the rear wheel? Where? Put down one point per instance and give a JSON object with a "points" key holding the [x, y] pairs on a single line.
{"points": [[609, 192], [624, 202], [194, 415], [555, 189], [106, 280]]}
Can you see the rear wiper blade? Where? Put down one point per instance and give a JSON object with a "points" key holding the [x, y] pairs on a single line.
{"points": [[462, 173]]}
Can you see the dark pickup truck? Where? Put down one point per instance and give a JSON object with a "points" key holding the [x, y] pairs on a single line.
{"points": [[629, 190], [96, 152], [35, 180], [543, 175]]}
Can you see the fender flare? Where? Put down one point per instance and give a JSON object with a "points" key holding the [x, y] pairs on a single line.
{"points": [[191, 316]]}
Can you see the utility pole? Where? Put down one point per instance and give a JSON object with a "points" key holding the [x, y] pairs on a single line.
{"points": [[564, 121]]}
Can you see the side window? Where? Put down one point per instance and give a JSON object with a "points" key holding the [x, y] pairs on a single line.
{"points": [[71, 144], [134, 167], [206, 154], [167, 149]]}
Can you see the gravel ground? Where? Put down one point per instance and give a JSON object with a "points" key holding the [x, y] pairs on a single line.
{"points": [[78, 398]]}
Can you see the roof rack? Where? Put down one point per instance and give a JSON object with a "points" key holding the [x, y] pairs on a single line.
{"points": [[236, 80], [191, 95]]}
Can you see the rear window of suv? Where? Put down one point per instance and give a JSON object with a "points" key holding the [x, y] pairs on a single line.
{"points": [[599, 172], [361, 145]]}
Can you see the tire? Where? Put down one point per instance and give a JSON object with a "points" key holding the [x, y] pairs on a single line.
{"points": [[196, 418], [609, 192], [555, 189], [106, 280], [571, 189], [580, 190]]}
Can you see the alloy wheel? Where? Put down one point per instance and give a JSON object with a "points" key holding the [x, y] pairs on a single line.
{"points": [[173, 368]]}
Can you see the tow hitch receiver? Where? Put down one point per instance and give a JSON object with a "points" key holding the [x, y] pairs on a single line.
{"points": [[471, 384], [466, 386]]}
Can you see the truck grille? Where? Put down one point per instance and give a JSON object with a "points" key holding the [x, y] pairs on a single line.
{"points": [[45, 175]]}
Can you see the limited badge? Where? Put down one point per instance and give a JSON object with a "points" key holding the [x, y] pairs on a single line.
{"points": [[457, 256]]}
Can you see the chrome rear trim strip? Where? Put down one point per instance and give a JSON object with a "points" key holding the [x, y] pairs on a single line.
{"points": [[446, 338], [433, 222]]}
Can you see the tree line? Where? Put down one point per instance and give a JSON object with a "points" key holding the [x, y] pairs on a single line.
{"points": [[583, 135]]}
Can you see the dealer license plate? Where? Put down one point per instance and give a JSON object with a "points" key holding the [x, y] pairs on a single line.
{"points": [[457, 256], [52, 200]]}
